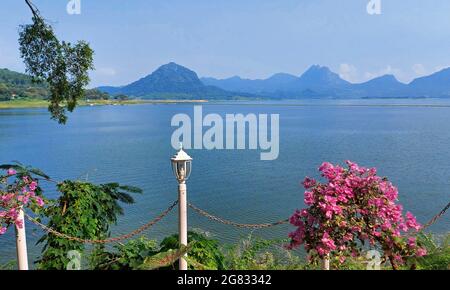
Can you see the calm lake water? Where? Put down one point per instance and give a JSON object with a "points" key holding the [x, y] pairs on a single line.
{"points": [[407, 140]]}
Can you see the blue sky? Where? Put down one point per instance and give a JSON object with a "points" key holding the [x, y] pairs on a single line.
{"points": [[249, 38]]}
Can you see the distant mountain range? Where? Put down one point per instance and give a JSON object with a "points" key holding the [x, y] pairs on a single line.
{"points": [[175, 81], [320, 81], [170, 81]]}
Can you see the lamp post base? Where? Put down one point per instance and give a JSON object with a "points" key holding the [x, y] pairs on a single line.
{"points": [[183, 222], [21, 244]]}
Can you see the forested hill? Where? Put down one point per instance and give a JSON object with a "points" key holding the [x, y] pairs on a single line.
{"points": [[17, 85]]}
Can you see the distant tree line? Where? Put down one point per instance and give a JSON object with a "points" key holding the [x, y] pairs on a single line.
{"points": [[14, 85]]}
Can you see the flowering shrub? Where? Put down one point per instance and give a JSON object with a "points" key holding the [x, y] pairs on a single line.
{"points": [[355, 207], [18, 189]]}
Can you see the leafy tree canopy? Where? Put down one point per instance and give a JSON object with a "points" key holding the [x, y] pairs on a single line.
{"points": [[62, 65]]}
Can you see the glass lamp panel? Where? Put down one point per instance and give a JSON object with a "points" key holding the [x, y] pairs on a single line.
{"points": [[188, 168], [174, 169], [181, 166]]}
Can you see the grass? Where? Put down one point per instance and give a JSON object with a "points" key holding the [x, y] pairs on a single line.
{"points": [[23, 104], [33, 103]]}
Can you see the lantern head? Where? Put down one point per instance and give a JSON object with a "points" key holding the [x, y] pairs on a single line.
{"points": [[181, 165]]}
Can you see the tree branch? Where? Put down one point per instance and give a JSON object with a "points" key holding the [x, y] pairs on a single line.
{"points": [[33, 8]]}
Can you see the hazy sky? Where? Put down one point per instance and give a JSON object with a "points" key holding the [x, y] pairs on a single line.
{"points": [[249, 38]]}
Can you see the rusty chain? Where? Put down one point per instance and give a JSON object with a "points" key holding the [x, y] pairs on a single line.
{"points": [[259, 226], [436, 217], [199, 211], [109, 240], [226, 222]]}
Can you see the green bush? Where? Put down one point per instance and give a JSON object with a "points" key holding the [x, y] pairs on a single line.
{"points": [[260, 254], [203, 253], [128, 256], [438, 253]]}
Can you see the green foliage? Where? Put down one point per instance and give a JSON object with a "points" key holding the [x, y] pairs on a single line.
{"points": [[437, 257], [14, 85], [165, 259], [203, 252], [129, 256], [11, 265], [83, 210], [438, 253], [95, 94], [23, 170], [61, 65], [121, 97], [260, 254], [138, 254], [18, 86]]}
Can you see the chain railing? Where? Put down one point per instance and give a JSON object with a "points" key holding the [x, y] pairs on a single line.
{"points": [[196, 209], [227, 222], [436, 217], [268, 225], [109, 240]]}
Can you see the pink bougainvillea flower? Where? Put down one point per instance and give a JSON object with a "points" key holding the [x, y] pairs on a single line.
{"points": [[411, 222], [23, 199], [33, 185], [328, 242], [19, 223], [398, 259], [15, 195], [309, 198], [309, 182], [412, 242], [11, 172], [39, 201], [352, 207], [421, 252], [322, 251]]}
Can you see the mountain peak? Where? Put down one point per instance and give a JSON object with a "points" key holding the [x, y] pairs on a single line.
{"points": [[168, 78], [282, 77], [321, 76], [172, 66], [384, 78], [388, 76], [435, 84], [317, 69]]}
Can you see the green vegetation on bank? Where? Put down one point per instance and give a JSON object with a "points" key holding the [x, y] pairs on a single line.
{"points": [[248, 254], [36, 103], [14, 85], [17, 90]]}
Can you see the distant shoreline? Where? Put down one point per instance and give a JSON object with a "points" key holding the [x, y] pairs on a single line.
{"points": [[24, 104], [29, 104]]}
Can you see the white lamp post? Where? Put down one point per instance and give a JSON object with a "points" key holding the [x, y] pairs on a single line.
{"points": [[181, 165], [21, 243]]}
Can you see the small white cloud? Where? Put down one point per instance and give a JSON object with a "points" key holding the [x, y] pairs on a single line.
{"points": [[106, 71], [419, 69], [348, 72]]}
